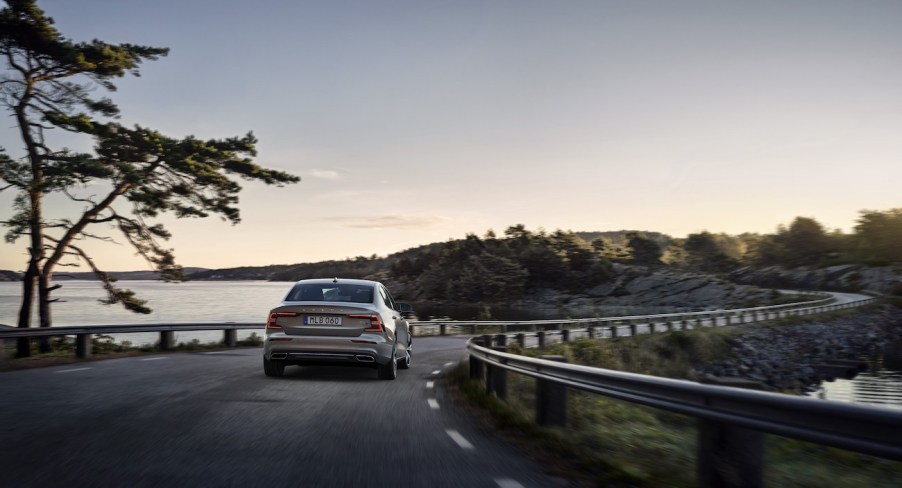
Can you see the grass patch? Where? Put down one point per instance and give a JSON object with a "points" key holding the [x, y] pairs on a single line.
{"points": [[553, 447]]}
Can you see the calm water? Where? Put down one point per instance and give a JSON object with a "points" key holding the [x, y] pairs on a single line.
{"points": [[189, 302], [250, 301], [880, 385]]}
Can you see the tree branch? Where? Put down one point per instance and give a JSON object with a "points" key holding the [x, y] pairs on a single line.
{"points": [[115, 295]]}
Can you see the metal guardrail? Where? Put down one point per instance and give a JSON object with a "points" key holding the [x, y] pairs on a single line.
{"points": [[67, 330], [709, 318], [732, 420], [859, 428], [83, 334]]}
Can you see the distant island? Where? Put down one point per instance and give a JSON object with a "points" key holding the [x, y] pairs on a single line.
{"points": [[6, 275]]}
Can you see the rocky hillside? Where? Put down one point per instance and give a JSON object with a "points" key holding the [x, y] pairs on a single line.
{"points": [[850, 277], [637, 289]]}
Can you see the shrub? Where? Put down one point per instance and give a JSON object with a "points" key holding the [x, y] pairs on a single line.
{"points": [[251, 340]]}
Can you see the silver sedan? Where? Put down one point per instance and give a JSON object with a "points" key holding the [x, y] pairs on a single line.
{"points": [[338, 322]]}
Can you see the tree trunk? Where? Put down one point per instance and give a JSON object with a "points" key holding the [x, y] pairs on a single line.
{"points": [[44, 310], [23, 344]]}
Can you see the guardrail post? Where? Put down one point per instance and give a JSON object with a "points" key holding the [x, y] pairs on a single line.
{"points": [[551, 399], [590, 332], [23, 347], [540, 335], [476, 370], [501, 340], [496, 378], [83, 346], [632, 328], [473, 329], [167, 339], [442, 329], [487, 340], [651, 327], [230, 337], [503, 328], [613, 331], [476, 367], [729, 456], [521, 339], [44, 345], [565, 335]]}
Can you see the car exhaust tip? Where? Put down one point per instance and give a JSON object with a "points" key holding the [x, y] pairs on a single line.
{"points": [[278, 355], [365, 359]]}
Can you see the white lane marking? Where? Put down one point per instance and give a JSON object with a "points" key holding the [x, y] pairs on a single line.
{"points": [[448, 365], [430, 384], [72, 370], [459, 439], [507, 483], [433, 403], [438, 371], [153, 359], [216, 352]]}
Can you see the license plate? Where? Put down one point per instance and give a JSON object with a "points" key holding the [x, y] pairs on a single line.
{"points": [[321, 320]]}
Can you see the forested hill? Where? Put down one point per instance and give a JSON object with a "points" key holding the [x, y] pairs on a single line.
{"points": [[621, 237], [520, 260]]}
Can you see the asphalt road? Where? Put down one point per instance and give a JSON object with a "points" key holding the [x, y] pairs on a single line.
{"points": [[214, 419]]}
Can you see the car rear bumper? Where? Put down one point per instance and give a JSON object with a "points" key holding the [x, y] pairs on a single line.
{"points": [[328, 351]]}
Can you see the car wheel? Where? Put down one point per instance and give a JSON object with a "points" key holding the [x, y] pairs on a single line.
{"points": [[389, 371], [405, 363], [273, 368]]}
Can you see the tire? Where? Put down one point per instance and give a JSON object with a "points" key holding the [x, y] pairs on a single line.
{"points": [[405, 363], [389, 371], [273, 369]]}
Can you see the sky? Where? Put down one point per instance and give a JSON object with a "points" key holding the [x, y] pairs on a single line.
{"points": [[412, 122]]}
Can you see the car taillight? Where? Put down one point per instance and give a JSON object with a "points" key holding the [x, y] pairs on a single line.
{"points": [[273, 316], [375, 321]]}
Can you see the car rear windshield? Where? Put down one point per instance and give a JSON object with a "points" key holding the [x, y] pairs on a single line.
{"points": [[330, 292]]}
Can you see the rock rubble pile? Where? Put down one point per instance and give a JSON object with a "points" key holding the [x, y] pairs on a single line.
{"points": [[787, 357]]}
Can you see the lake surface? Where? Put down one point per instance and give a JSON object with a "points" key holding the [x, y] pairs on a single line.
{"points": [[880, 385], [188, 302], [250, 301]]}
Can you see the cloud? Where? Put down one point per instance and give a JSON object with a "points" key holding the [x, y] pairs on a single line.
{"points": [[388, 221], [325, 174]]}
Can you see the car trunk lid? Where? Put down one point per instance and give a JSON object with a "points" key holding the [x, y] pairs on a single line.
{"points": [[323, 320]]}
